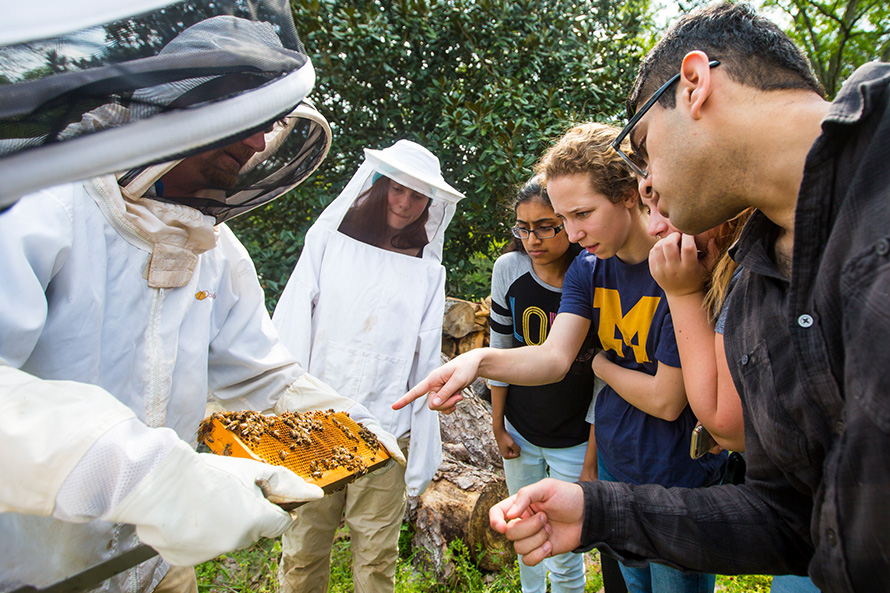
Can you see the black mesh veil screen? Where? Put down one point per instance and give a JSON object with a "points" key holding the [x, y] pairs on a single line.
{"points": [[178, 58]]}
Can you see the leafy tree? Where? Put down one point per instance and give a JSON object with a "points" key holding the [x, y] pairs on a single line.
{"points": [[486, 85], [838, 35]]}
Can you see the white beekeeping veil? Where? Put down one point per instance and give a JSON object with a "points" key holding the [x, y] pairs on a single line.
{"points": [[412, 166], [108, 86]]}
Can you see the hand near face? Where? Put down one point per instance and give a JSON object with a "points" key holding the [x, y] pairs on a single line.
{"points": [[675, 264], [542, 519]]}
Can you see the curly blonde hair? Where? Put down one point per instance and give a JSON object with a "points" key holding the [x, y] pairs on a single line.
{"points": [[587, 148]]}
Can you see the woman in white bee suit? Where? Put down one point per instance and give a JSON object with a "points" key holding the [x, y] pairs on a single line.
{"points": [[123, 309], [370, 284]]}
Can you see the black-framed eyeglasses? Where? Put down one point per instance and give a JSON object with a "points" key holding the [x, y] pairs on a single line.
{"points": [[637, 162], [542, 232]]}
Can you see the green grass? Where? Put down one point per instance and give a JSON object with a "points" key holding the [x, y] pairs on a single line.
{"points": [[255, 570]]}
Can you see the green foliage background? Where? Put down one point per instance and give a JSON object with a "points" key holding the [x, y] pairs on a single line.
{"points": [[486, 85], [837, 36]]}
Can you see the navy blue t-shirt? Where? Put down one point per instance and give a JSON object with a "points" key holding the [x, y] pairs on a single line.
{"points": [[630, 314]]}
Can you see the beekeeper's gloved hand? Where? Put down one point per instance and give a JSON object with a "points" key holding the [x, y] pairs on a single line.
{"points": [[195, 506], [308, 393]]}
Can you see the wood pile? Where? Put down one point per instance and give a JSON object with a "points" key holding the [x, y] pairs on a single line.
{"points": [[465, 325]]}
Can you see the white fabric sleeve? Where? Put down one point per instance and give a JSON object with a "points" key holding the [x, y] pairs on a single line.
{"points": [[598, 384], [249, 367], [425, 445], [195, 506], [47, 428], [35, 240], [293, 313], [111, 468]]}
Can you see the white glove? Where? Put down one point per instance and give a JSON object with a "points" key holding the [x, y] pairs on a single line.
{"points": [[309, 393], [195, 506]]}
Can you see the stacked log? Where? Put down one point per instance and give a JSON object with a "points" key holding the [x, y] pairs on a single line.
{"points": [[465, 325]]}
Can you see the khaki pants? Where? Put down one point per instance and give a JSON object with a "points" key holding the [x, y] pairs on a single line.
{"points": [[179, 579], [374, 506]]}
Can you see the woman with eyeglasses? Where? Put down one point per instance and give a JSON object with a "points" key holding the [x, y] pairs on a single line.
{"points": [[540, 430]]}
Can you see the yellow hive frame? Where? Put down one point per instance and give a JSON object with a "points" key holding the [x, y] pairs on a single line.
{"points": [[337, 429]]}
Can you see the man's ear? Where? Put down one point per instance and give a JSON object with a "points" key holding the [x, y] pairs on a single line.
{"points": [[694, 86]]}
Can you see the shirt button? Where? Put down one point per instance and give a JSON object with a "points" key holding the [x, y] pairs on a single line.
{"points": [[831, 537], [744, 359], [840, 427], [882, 247], [805, 320]]}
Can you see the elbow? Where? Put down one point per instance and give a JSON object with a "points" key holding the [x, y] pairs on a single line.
{"points": [[730, 437], [670, 411], [730, 443], [560, 369]]}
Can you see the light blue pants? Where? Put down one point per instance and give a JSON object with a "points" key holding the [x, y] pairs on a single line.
{"points": [[534, 464], [789, 583], [657, 578]]}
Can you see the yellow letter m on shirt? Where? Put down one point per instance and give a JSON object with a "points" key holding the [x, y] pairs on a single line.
{"points": [[617, 330]]}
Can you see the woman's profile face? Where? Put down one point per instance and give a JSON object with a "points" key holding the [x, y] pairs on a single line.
{"points": [[404, 205]]}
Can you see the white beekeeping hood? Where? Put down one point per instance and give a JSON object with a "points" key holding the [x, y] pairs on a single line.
{"points": [[413, 166], [108, 86]]}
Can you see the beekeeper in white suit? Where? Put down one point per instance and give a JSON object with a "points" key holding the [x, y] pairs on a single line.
{"points": [[123, 307], [370, 285]]}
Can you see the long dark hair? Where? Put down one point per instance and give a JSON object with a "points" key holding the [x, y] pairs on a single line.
{"points": [[365, 220], [533, 191]]}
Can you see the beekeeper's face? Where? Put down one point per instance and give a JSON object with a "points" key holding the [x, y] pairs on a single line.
{"points": [[216, 169], [404, 205]]}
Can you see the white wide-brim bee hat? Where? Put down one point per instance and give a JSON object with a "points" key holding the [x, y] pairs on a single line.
{"points": [[113, 87], [412, 166]]}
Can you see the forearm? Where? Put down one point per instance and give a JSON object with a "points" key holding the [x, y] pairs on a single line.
{"points": [[714, 402], [528, 365], [695, 343], [660, 395], [722, 529], [498, 402], [729, 425]]}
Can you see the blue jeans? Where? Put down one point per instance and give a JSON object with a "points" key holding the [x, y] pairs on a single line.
{"points": [[534, 464], [789, 583], [657, 578]]}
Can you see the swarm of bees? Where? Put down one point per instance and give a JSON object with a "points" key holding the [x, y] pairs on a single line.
{"points": [[323, 447]]}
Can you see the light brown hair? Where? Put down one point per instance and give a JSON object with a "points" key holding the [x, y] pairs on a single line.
{"points": [[718, 282], [587, 148]]}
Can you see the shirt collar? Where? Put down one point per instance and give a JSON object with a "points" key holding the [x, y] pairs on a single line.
{"points": [[755, 243], [858, 96]]}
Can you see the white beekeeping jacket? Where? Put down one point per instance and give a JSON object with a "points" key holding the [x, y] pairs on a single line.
{"points": [[121, 311], [368, 321]]}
